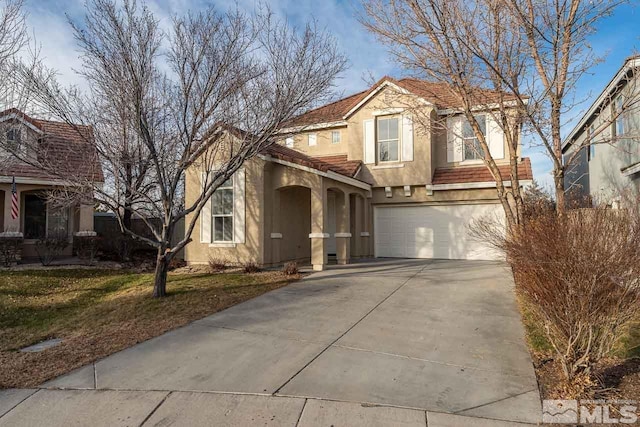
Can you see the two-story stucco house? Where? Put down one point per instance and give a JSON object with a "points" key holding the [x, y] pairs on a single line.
{"points": [[606, 166], [68, 151], [359, 178]]}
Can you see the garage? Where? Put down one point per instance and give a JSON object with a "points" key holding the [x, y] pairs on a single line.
{"points": [[432, 231]]}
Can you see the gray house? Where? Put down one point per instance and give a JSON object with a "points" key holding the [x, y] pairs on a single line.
{"points": [[604, 147]]}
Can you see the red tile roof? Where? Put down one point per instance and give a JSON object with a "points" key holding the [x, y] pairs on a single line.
{"points": [[68, 149], [338, 164], [462, 174], [438, 94]]}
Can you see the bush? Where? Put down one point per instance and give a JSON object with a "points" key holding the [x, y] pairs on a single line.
{"points": [[217, 265], [10, 248], [250, 267], [49, 248], [580, 274], [291, 268], [537, 201], [86, 248]]}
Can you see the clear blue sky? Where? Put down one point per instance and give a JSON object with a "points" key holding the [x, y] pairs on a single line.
{"points": [[618, 37]]}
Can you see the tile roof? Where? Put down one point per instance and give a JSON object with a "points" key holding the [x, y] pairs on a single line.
{"points": [[461, 175], [68, 149], [338, 164], [438, 94]]}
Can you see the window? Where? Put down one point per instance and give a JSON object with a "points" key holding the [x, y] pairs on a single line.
{"points": [[40, 222], [13, 139], [592, 146], [222, 212], [470, 144], [35, 217], [335, 137], [619, 116], [388, 140], [289, 142], [313, 139]]}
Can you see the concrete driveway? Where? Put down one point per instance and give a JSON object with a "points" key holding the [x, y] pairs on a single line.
{"points": [[397, 342]]}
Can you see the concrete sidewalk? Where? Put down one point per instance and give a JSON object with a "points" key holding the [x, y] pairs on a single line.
{"points": [[394, 343]]}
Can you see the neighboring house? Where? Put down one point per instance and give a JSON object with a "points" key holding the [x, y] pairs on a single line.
{"points": [[606, 169], [359, 178], [68, 153]]}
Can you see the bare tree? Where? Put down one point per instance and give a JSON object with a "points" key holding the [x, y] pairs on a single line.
{"points": [[202, 97], [471, 48]]}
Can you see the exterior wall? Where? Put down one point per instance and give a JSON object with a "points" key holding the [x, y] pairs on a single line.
{"points": [[198, 252], [80, 216], [419, 196], [606, 183], [416, 172], [324, 145]]}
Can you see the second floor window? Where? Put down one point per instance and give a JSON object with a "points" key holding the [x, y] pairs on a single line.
{"points": [[388, 142], [471, 145], [335, 137], [620, 127], [222, 212], [13, 139], [592, 146]]}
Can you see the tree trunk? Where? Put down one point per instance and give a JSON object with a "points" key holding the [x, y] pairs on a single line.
{"points": [[160, 279], [558, 180]]}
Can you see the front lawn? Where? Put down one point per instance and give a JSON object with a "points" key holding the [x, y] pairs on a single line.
{"points": [[99, 312]]}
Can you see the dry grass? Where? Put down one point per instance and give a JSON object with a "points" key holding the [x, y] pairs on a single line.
{"points": [[99, 312]]}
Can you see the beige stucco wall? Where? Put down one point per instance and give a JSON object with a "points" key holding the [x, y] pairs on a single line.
{"points": [[324, 145]]}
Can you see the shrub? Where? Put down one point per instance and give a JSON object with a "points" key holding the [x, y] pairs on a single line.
{"points": [[217, 264], [250, 267], [580, 274], [49, 248], [291, 268], [176, 263], [10, 248], [86, 247], [537, 201]]}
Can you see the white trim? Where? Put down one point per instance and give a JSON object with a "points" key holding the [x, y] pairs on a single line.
{"points": [[312, 139], [319, 235], [630, 170], [13, 234], [86, 233], [342, 235], [222, 245], [14, 116], [375, 92], [407, 191], [388, 166], [364, 234], [471, 162], [388, 192], [626, 67], [429, 189], [276, 235], [388, 111], [296, 129], [329, 174], [472, 185]]}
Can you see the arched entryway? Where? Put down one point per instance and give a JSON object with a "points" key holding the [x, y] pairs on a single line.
{"points": [[292, 219]]}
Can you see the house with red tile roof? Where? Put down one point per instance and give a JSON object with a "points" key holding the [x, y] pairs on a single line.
{"points": [[25, 210], [364, 176]]}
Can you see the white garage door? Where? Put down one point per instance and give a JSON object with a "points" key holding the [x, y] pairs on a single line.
{"points": [[432, 231]]}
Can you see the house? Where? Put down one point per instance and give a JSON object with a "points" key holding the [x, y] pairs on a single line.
{"points": [[67, 151], [359, 177], [605, 144]]}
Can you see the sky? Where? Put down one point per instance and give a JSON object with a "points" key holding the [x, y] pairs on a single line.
{"points": [[618, 37]]}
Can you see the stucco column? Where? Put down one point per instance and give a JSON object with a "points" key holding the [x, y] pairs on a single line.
{"points": [[276, 232], [85, 218], [358, 227], [343, 231], [318, 226], [365, 234], [10, 224]]}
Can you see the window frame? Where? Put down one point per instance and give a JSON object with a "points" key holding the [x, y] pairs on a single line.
{"points": [[592, 148], [477, 155], [314, 137], [15, 143], [48, 214], [619, 113], [379, 141], [214, 215], [335, 140], [289, 142]]}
